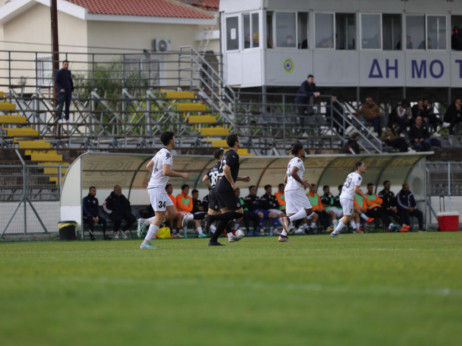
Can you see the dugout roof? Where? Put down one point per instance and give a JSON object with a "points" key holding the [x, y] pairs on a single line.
{"points": [[104, 170]]}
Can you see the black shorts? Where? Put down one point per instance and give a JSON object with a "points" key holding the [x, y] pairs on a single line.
{"points": [[213, 202], [228, 199]]}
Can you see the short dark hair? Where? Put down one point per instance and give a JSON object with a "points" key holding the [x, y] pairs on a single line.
{"points": [[65, 61], [296, 147], [165, 137], [281, 184], [310, 75], [194, 191], [218, 153], [267, 186], [358, 164], [385, 182], [167, 186], [231, 140], [184, 186], [325, 186], [370, 184], [251, 187], [340, 187], [91, 187]]}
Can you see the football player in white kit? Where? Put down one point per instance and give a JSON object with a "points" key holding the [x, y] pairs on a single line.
{"points": [[297, 203], [350, 187], [161, 167]]}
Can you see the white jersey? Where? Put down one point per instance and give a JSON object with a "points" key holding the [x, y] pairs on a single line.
{"points": [[158, 179], [292, 184], [348, 191]]}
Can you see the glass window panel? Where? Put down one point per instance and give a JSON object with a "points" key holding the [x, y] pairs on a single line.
{"points": [[324, 23], [285, 29], [345, 31], [391, 31], [303, 30], [247, 38], [415, 32], [456, 35], [370, 31], [232, 33], [436, 32], [269, 28], [255, 31]]}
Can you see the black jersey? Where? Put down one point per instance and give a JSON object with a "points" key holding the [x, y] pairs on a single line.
{"points": [[215, 173], [231, 158]]}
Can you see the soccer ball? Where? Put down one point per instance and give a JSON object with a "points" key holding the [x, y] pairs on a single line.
{"points": [[240, 233]]}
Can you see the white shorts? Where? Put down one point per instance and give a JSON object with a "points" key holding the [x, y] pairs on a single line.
{"points": [[296, 200], [347, 205], [159, 199], [338, 212]]}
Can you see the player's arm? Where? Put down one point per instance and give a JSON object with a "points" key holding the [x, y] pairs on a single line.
{"points": [[150, 165], [294, 174], [285, 179], [206, 181], [227, 174], [169, 172], [246, 179], [358, 190]]}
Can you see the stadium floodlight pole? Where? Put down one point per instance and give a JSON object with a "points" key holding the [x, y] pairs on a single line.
{"points": [[54, 44]]}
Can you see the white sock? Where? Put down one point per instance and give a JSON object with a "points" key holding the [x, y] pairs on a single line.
{"points": [[339, 227], [149, 221], [151, 233], [284, 233], [305, 226], [230, 235], [199, 230], [352, 223], [280, 221], [236, 226], [313, 225], [364, 216], [301, 214]]}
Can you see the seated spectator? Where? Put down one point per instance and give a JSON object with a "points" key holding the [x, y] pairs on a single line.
{"points": [[119, 209], [390, 206], [418, 110], [281, 198], [252, 204], [249, 215], [270, 208], [371, 113], [332, 205], [184, 207], [352, 146], [453, 115], [420, 138], [391, 138], [174, 226], [407, 206], [199, 211], [91, 213], [375, 209], [318, 209]]}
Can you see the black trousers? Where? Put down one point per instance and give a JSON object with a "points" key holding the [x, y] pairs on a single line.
{"points": [[406, 215], [118, 218]]}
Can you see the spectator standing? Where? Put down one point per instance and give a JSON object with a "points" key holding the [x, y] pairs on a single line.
{"points": [[119, 209], [371, 113], [64, 86], [419, 110], [403, 117], [420, 137], [91, 213], [407, 206], [431, 120], [453, 115], [305, 98]]}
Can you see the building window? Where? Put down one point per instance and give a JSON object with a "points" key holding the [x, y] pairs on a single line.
{"points": [[269, 30], [324, 30], [251, 34], [345, 31], [303, 30], [232, 33], [371, 37], [391, 31], [255, 30], [44, 71], [415, 32], [456, 35], [436, 32], [285, 29]]}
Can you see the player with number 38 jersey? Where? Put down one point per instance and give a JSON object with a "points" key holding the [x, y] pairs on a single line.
{"points": [[348, 191]]}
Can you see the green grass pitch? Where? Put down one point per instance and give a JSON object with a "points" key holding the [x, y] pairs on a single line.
{"points": [[371, 289]]}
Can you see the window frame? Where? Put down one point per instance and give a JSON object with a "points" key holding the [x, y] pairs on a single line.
{"points": [[334, 41], [446, 32], [239, 27], [380, 33]]}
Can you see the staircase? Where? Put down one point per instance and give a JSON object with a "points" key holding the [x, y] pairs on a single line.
{"points": [[18, 133]]}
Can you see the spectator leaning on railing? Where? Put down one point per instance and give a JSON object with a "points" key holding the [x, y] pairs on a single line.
{"points": [[371, 113]]}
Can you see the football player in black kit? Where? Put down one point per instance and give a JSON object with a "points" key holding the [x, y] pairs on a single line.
{"points": [[229, 204]]}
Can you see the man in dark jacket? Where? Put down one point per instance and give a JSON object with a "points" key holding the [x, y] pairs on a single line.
{"points": [[352, 146], [91, 213], [118, 207], [407, 206], [420, 137], [64, 86], [389, 204], [453, 114], [304, 100]]}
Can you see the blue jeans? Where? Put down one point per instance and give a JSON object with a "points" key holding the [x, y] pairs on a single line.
{"points": [[64, 99]]}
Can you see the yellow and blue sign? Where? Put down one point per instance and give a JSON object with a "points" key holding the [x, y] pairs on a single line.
{"points": [[288, 65]]}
